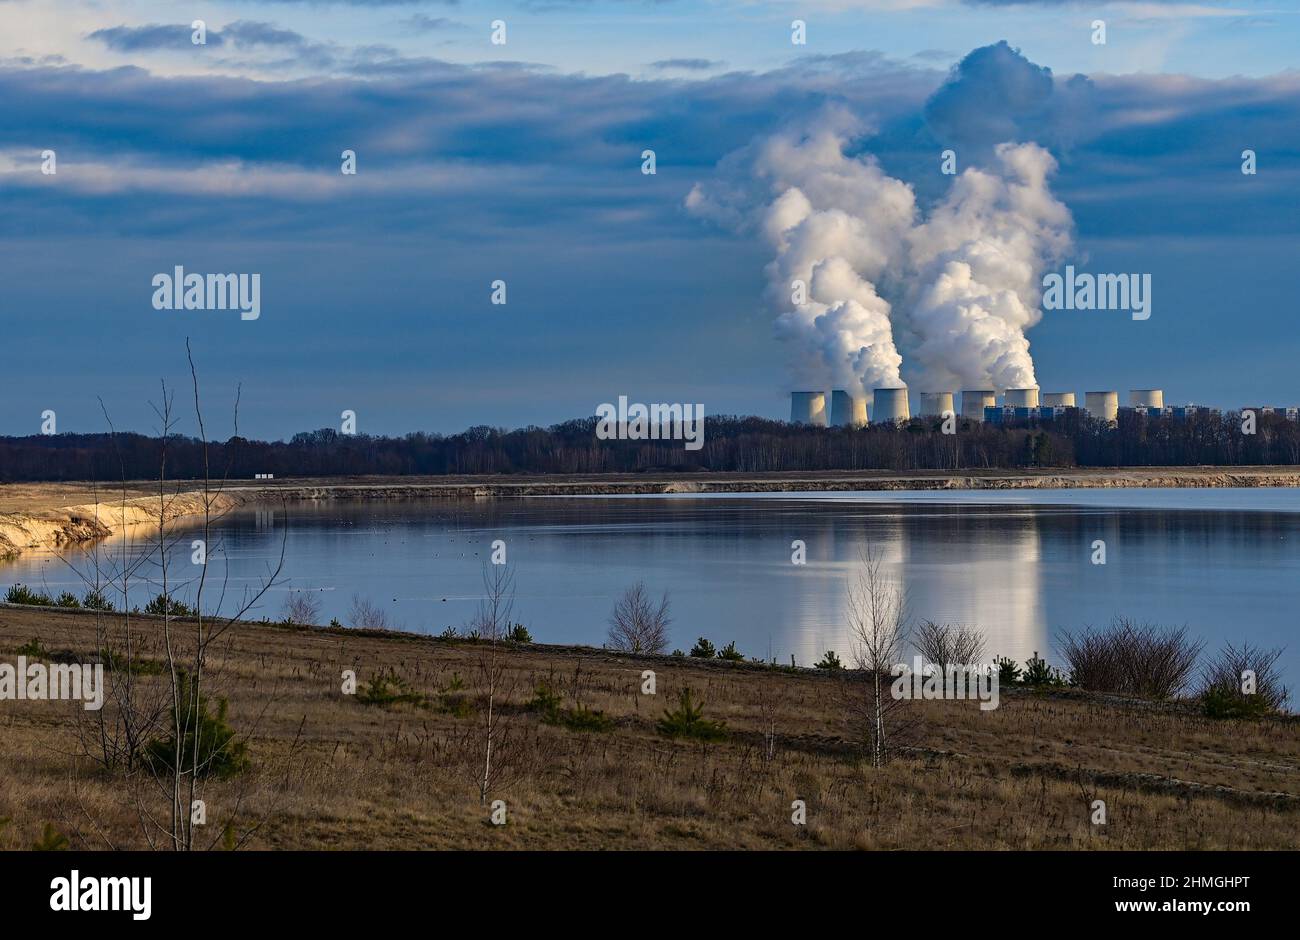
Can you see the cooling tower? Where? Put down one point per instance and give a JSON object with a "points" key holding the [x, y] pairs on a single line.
{"points": [[974, 401], [890, 405], [936, 403], [808, 408], [1150, 397], [1059, 399], [1104, 405], [848, 410], [1022, 397]]}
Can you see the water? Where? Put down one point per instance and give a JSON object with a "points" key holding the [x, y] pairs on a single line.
{"points": [[1017, 564]]}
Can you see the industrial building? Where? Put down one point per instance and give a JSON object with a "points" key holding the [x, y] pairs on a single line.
{"points": [[890, 406]]}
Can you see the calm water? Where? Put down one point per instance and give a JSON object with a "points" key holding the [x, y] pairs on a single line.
{"points": [[1224, 562]]}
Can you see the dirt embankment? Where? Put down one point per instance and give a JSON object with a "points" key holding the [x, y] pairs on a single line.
{"points": [[55, 527]]}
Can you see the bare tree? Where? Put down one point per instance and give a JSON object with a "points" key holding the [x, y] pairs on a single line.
{"points": [[490, 626], [367, 614], [944, 645], [878, 636], [637, 625], [301, 608]]}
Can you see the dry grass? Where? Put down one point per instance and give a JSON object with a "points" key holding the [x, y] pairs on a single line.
{"points": [[1020, 777]]}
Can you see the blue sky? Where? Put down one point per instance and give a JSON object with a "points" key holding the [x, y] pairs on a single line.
{"points": [[522, 162]]}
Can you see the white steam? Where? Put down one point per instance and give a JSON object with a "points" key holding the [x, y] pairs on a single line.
{"points": [[961, 286]]}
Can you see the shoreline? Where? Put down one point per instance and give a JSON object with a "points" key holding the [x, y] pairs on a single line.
{"points": [[30, 517]]}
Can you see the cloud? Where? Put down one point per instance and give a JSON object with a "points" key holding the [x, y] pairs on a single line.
{"points": [[690, 65], [153, 36]]}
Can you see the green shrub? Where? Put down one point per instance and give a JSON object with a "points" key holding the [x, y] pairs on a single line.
{"points": [[1037, 672], [95, 600], [116, 662], [21, 594], [162, 605], [209, 747], [34, 649], [387, 688], [830, 661], [51, 840], [688, 721], [519, 634], [1230, 703], [546, 703], [703, 649], [1008, 670], [731, 654], [67, 599]]}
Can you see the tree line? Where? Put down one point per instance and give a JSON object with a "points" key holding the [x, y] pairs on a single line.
{"points": [[731, 443]]}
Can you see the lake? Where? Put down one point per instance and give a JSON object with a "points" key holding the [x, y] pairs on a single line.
{"points": [[1017, 564]]}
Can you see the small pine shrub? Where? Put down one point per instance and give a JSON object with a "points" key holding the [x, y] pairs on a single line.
{"points": [[334, 624], [95, 600], [1038, 672], [1008, 670], [582, 718], [67, 599], [34, 649], [687, 721], [1229, 703], [387, 688], [519, 634], [51, 840], [22, 594], [209, 748], [162, 605], [703, 649], [731, 654], [546, 703], [829, 662]]}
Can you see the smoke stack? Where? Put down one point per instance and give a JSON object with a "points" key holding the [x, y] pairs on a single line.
{"points": [[808, 408], [1059, 399], [847, 410], [1022, 397], [974, 401], [936, 403], [1103, 405], [890, 405], [1147, 397]]}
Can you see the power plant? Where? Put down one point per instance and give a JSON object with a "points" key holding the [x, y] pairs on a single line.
{"points": [[936, 403], [890, 405], [848, 411], [1104, 405], [974, 401], [808, 408]]}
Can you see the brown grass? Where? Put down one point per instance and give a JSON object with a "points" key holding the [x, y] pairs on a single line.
{"points": [[1020, 777]]}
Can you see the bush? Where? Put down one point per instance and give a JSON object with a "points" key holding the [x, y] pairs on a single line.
{"points": [[95, 600], [34, 649], [387, 688], [164, 606], [943, 645], [21, 594], [1131, 659], [830, 662], [1037, 672], [547, 703], [1222, 691], [703, 649], [519, 634], [67, 599], [51, 840], [731, 654], [1008, 670], [208, 749], [688, 721]]}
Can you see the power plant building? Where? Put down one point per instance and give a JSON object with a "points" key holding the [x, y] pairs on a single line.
{"points": [[974, 401], [936, 403], [1103, 405], [1146, 398], [1059, 399], [890, 405], [1022, 397], [808, 408], [847, 410]]}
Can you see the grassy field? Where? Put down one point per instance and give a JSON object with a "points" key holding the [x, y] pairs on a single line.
{"points": [[331, 771]]}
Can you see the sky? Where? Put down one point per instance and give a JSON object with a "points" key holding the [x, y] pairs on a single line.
{"points": [[522, 162]]}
